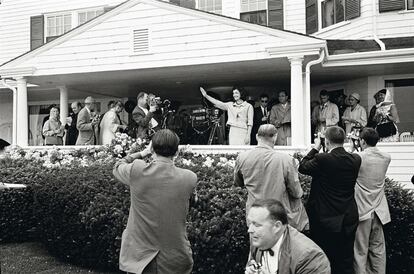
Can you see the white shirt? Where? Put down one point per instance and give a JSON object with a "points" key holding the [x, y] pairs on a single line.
{"points": [[153, 122], [264, 111], [271, 263]]}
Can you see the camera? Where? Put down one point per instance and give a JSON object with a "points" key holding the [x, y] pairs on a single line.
{"points": [[156, 101]]}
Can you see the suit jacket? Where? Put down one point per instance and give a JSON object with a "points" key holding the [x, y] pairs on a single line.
{"points": [[142, 121], [71, 131], [87, 132], [268, 174], [330, 112], [298, 255], [257, 122], [156, 228], [331, 205], [282, 116], [369, 190]]}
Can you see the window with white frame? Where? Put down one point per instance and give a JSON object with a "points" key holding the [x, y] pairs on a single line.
{"points": [[85, 16], [395, 5], [58, 24], [410, 4], [214, 6], [254, 11]]}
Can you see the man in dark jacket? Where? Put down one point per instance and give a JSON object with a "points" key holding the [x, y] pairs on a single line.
{"points": [[71, 130], [332, 210], [143, 119], [260, 117]]}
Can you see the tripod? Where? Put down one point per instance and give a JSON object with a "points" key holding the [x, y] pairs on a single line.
{"points": [[215, 130]]}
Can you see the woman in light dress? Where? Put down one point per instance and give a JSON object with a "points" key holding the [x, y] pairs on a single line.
{"points": [[355, 115], [111, 123], [387, 112], [240, 117], [53, 130]]}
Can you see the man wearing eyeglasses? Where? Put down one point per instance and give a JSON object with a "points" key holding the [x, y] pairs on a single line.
{"points": [[260, 117]]}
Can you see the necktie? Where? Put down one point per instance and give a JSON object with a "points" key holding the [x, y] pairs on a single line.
{"points": [[271, 252]]}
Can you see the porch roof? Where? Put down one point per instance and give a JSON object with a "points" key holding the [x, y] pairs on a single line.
{"points": [[146, 34]]}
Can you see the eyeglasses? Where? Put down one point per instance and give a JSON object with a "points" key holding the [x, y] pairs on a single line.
{"points": [[264, 101]]}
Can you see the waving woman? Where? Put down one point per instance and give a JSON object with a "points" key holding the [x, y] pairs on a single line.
{"points": [[240, 117]]}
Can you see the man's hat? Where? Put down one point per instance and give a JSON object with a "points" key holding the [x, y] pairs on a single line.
{"points": [[356, 96]]}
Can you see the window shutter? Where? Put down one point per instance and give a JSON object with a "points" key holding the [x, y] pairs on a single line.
{"points": [[390, 5], [140, 41], [311, 16], [275, 14], [352, 9], [37, 31]]}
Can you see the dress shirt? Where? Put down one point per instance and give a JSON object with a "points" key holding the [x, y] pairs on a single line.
{"points": [[271, 263], [264, 111]]}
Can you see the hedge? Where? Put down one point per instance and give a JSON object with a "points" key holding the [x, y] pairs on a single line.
{"points": [[80, 211]]}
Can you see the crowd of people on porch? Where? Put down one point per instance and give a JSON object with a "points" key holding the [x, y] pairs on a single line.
{"points": [[339, 231], [85, 126]]}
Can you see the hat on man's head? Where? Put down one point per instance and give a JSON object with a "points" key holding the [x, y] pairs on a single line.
{"points": [[3, 144], [356, 96], [89, 100]]}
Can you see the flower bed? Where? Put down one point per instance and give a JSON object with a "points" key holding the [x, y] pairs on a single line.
{"points": [[75, 206]]}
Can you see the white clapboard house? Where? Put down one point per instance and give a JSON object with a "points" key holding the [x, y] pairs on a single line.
{"points": [[56, 51]]}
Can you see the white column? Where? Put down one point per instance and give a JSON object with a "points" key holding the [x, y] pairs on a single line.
{"points": [[22, 113], [63, 104], [297, 98], [15, 113]]}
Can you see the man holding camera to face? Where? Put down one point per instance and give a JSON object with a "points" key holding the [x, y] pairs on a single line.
{"points": [[331, 208], [143, 118]]}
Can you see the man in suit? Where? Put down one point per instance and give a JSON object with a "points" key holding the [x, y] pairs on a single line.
{"points": [[280, 117], [87, 124], [332, 210], [369, 248], [326, 114], [260, 117], [71, 130], [143, 119], [269, 174], [276, 247], [155, 240]]}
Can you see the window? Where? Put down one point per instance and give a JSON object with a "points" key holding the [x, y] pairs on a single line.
{"points": [[254, 11], [256, 17], [395, 5], [58, 24], [410, 4], [333, 11], [210, 5], [85, 16]]}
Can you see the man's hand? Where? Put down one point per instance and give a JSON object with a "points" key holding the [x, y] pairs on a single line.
{"points": [[264, 118], [318, 142], [147, 151], [153, 108], [247, 140], [203, 92]]}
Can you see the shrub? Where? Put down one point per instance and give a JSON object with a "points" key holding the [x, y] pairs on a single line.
{"points": [[80, 212]]}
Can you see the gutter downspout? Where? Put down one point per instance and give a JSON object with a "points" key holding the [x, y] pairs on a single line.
{"points": [[374, 25], [307, 92], [14, 89]]}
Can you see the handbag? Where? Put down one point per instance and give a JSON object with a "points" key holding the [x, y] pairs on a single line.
{"points": [[386, 129]]}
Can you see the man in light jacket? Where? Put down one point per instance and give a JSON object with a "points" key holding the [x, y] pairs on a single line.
{"points": [[369, 247], [155, 239], [268, 174]]}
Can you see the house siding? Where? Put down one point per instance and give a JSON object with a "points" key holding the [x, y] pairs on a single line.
{"points": [[295, 15], [395, 24], [358, 28], [15, 36], [176, 39]]}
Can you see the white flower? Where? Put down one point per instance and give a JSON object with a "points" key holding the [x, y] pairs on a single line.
{"points": [[124, 136], [223, 160], [188, 162]]}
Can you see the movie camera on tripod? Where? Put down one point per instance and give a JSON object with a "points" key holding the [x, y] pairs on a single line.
{"points": [[204, 120]]}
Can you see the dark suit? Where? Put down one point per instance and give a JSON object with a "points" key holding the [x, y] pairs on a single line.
{"points": [[332, 210], [71, 131], [142, 122], [257, 122]]}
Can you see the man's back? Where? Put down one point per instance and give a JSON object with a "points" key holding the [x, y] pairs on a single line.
{"points": [[369, 190], [268, 174], [333, 180], [160, 194]]}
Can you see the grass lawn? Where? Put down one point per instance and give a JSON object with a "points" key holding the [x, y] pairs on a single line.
{"points": [[25, 258]]}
